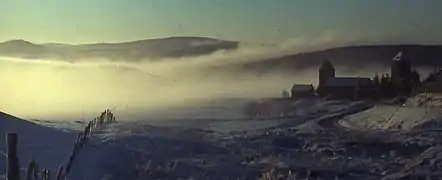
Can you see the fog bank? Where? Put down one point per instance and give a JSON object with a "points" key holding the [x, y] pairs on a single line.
{"points": [[55, 89]]}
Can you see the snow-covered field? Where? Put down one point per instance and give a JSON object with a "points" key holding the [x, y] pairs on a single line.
{"points": [[200, 142], [419, 110], [215, 141], [50, 147]]}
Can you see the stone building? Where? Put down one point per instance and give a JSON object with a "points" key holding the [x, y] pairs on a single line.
{"points": [[342, 87], [302, 91], [401, 74]]}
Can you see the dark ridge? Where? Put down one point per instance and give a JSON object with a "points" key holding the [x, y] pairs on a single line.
{"points": [[170, 47], [356, 57]]}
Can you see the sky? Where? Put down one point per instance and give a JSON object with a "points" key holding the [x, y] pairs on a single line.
{"points": [[91, 21]]}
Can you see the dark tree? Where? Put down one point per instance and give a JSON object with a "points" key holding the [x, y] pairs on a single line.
{"points": [[383, 84], [431, 78], [383, 80], [389, 89], [415, 79], [387, 78], [376, 83], [415, 76], [376, 80]]}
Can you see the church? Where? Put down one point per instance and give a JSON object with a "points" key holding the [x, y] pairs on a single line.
{"points": [[401, 75], [342, 87], [361, 87]]}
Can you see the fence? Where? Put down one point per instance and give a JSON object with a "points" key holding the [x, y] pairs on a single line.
{"points": [[32, 171]]}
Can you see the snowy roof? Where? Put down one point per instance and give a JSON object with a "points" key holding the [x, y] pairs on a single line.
{"points": [[348, 82], [302, 87]]}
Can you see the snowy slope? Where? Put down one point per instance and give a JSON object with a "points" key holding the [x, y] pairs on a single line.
{"points": [[201, 149], [47, 145], [416, 111], [393, 117], [214, 141], [428, 99]]}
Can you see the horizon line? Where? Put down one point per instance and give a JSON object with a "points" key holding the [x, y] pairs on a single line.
{"points": [[218, 39]]}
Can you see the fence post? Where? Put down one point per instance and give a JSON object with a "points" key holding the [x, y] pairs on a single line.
{"points": [[68, 166], [48, 174], [59, 173], [109, 114], [86, 130], [90, 127], [77, 144], [106, 117], [12, 168], [45, 175], [101, 118], [30, 170], [84, 135], [36, 171]]}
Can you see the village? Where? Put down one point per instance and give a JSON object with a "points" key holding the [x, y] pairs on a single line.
{"points": [[395, 87]]}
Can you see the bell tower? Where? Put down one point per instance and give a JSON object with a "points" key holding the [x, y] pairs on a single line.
{"points": [[401, 74], [326, 71]]}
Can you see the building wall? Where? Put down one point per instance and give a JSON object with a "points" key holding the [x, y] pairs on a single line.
{"points": [[325, 74], [349, 92], [303, 94]]}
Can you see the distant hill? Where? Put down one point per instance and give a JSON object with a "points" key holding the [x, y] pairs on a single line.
{"points": [[56, 45], [353, 57], [170, 47], [21, 48]]}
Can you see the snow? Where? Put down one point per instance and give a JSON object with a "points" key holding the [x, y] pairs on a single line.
{"points": [[428, 99], [385, 117], [243, 125], [48, 146], [216, 141], [417, 110], [139, 149]]}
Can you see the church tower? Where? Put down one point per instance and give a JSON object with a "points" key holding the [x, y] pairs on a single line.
{"points": [[401, 74], [326, 71]]}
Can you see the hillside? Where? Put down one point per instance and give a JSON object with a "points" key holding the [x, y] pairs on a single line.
{"points": [[35, 141], [22, 48], [171, 47], [354, 58], [349, 58]]}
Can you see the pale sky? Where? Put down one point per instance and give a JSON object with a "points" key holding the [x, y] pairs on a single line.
{"points": [[89, 21]]}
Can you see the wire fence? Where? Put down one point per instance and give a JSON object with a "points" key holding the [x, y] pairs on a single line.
{"points": [[33, 172]]}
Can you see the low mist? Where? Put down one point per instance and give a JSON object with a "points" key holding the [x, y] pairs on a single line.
{"points": [[59, 90], [48, 89]]}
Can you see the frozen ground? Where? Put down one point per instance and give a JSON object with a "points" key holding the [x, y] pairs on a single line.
{"points": [[204, 148], [36, 141], [421, 110], [414, 126], [215, 141]]}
